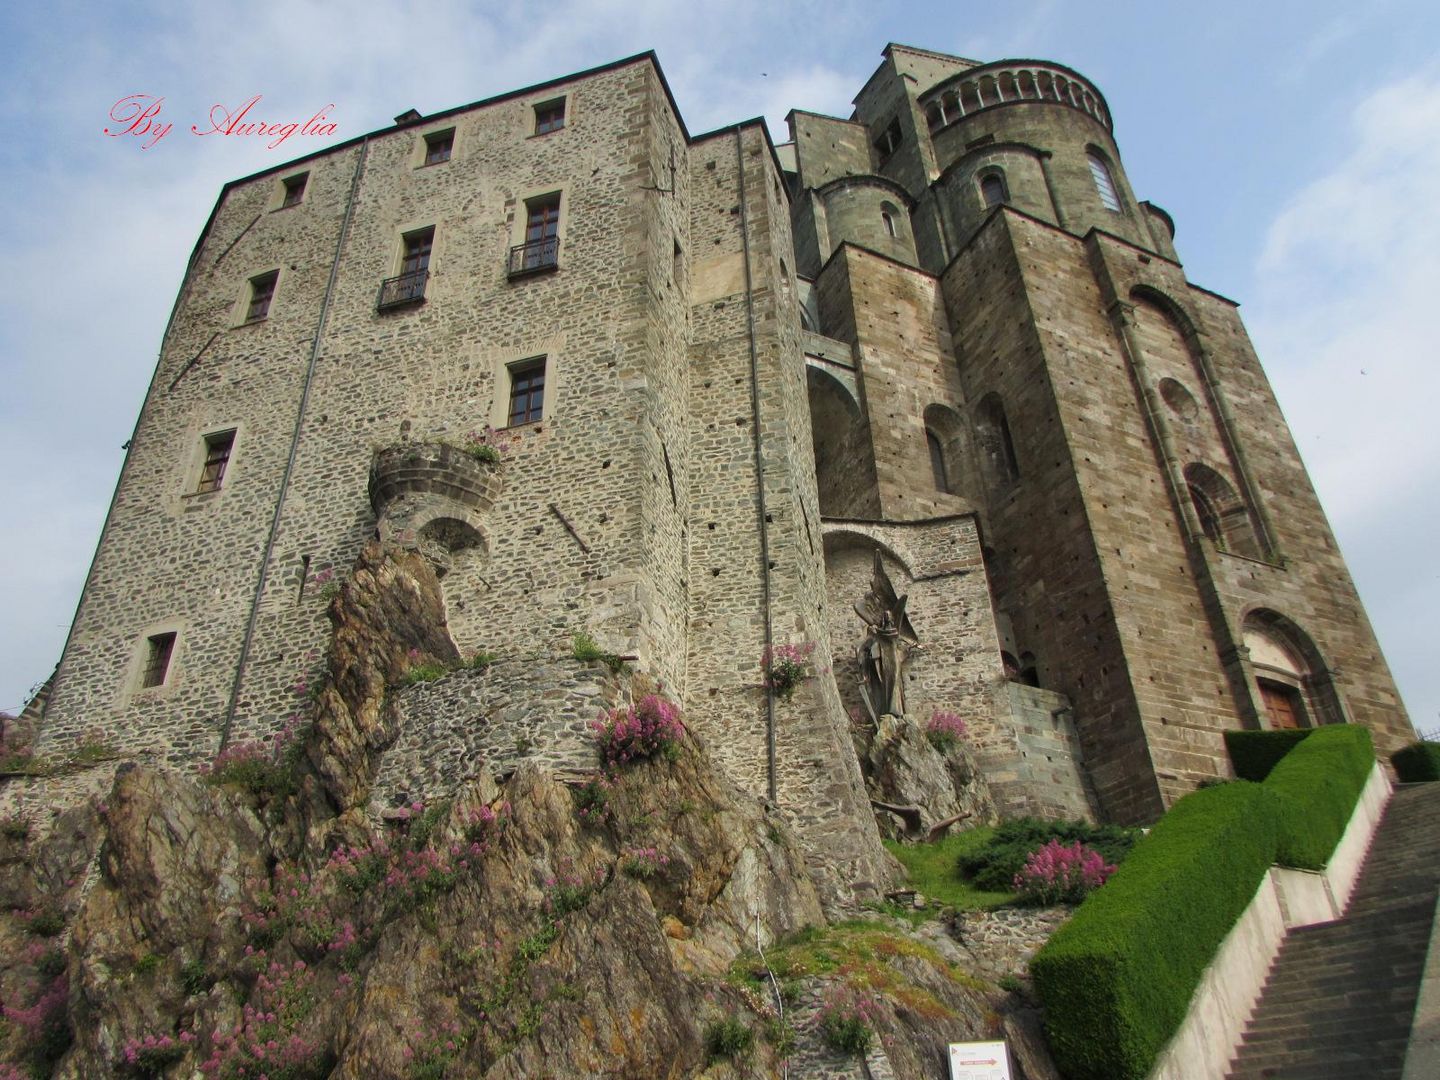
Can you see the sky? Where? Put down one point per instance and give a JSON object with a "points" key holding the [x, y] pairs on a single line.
{"points": [[1297, 146]]}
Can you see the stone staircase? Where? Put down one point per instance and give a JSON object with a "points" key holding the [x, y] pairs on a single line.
{"points": [[1340, 996]]}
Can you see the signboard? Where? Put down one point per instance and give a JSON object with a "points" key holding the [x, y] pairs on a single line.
{"points": [[979, 1061]]}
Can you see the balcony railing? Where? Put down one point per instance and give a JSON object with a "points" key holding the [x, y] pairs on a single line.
{"points": [[402, 290], [535, 257]]}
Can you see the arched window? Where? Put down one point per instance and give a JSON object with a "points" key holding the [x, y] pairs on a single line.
{"points": [[1104, 182], [937, 461], [992, 189], [887, 218], [1224, 517], [935, 116]]}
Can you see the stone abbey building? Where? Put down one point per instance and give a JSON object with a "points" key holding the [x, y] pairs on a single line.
{"points": [[724, 374]]}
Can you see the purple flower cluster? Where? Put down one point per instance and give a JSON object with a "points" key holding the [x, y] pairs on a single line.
{"points": [[846, 1020], [640, 732], [147, 1056], [1062, 874], [945, 730], [264, 1043], [785, 667]]}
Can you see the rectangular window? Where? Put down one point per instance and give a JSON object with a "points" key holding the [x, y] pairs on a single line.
{"points": [[549, 116], [416, 259], [294, 190], [262, 291], [217, 458], [541, 248], [527, 391], [157, 660], [438, 146]]}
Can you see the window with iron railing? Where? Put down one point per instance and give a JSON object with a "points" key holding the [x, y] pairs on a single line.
{"points": [[409, 286], [541, 248]]}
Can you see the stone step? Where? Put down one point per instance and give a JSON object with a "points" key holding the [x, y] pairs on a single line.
{"points": [[1340, 995]]}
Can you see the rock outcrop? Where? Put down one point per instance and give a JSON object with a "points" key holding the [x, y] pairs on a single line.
{"points": [[535, 925]]}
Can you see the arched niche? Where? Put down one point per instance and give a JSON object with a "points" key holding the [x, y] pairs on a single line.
{"points": [[1224, 517], [1293, 685], [997, 448], [844, 459], [945, 441]]}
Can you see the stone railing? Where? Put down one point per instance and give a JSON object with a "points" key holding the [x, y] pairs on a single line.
{"points": [[1010, 82]]}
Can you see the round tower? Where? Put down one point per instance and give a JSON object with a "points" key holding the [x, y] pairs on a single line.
{"points": [[1037, 136]]}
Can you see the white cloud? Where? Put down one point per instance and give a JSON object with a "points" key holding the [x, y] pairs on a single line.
{"points": [[1347, 321]]}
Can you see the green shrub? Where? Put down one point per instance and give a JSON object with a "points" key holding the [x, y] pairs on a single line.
{"points": [[994, 866], [1255, 753], [1417, 762], [728, 1038], [1117, 979], [585, 649], [1316, 787]]}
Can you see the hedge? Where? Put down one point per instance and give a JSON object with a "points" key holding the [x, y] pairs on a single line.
{"points": [[1417, 762], [1316, 787], [1117, 979], [1255, 753]]}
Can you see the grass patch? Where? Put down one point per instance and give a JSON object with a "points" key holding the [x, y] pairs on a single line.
{"points": [[933, 871], [861, 954]]}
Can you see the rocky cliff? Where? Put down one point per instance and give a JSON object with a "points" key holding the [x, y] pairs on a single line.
{"points": [[646, 920]]}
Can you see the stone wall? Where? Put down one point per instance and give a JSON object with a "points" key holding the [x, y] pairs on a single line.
{"points": [[517, 710], [586, 535]]}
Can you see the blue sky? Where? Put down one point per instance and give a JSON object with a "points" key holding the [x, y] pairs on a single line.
{"points": [[1296, 144]]}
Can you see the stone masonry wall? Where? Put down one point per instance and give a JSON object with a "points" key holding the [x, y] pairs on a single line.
{"points": [[428, 372], [1044, 567], [817, 776], [525, 709]]}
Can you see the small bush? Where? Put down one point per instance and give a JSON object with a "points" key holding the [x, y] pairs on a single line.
{"points": [[1061, 874], [586, 650], [785, 667], [1116, 980], [51, 963], [479, 660], [592, 799], [1255, 753], [643, 731], [484, 445], [15, 827], [945, 730], [1417, 763], [423, 673], [255, 768], [643, 863], [847, 1021], [728, 1038], [1317, 786], [151, 1055], [44, 921], [195, 977], [994, 866], [147, 963]]}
